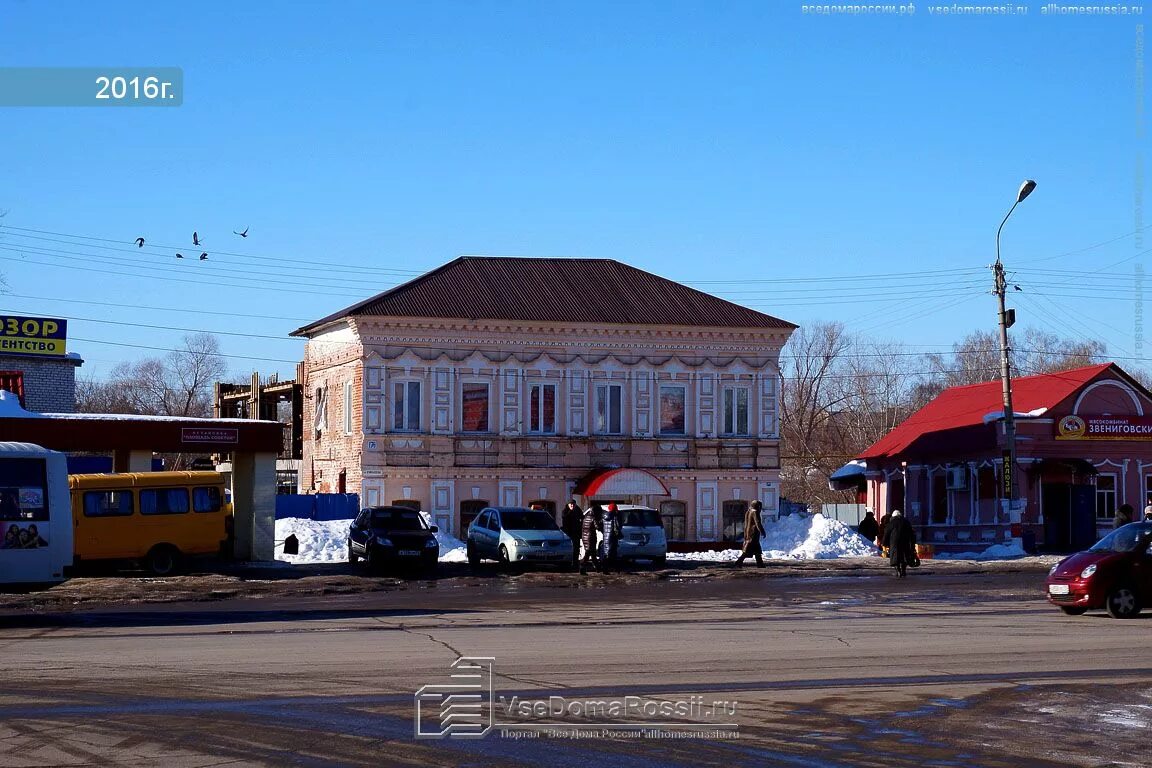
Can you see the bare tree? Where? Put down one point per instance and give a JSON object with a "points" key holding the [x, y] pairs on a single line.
{"points": [[179, 384], [809, 450]]}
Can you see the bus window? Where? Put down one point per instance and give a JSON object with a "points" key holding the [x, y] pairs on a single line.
{"points": [[107, 503], [163, 501], [23, 490], [206, 499]]}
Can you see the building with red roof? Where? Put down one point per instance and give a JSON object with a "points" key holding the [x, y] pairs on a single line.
{"points": [[1084, 448]]}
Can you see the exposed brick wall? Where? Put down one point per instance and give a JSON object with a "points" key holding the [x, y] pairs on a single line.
{"points": [[332, 451], [49, 383]]}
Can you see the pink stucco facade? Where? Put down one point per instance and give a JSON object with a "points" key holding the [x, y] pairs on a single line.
{"points": [[452, 415]]}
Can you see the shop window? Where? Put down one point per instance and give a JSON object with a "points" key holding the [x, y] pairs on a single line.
{"points": [[986, 483], [1105, 497], [675, 516], [468, 511], [474, 408], [940, 498], [732, 518]]}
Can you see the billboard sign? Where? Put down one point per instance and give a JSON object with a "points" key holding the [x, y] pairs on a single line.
{"points": [[1075, 427], [40, 336]]}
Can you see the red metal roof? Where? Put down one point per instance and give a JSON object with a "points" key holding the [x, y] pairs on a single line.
{"points": [[960, 407], [557, 290]]}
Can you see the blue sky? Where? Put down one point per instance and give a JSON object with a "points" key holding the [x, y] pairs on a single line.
{"points": [[713, 143]]}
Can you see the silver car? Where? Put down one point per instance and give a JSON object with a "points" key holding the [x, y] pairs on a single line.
{"points": [[517, 535], [642, 534]]}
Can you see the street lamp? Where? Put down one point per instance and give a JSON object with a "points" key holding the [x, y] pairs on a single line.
{"points": [[1007, 318]]}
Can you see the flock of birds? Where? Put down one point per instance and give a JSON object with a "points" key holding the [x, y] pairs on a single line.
{"points": [[195, 241]]}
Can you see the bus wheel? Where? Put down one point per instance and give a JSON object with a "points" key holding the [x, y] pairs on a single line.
{"points": [[163, 560]]}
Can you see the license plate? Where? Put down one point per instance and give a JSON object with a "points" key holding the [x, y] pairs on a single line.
{"points": [[1057, 589], [408, 552]]}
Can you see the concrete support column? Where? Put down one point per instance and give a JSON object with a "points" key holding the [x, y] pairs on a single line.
{"points": [[132, 461], [254, 505]]}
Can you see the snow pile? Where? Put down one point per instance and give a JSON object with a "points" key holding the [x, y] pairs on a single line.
{"points": [[321, 541], [798, 537], [994, 552], [326, 541]]}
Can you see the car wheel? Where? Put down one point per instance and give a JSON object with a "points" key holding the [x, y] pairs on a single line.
{"points": [[371, 559], [353, 558], [505, 561], [1122, 602], [163, 560], [473, 555], [1072, 610]]}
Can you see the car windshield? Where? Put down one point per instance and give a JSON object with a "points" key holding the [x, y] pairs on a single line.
{"points": [[515, 520], [642, 517], [1123, 539], [397, 521]]}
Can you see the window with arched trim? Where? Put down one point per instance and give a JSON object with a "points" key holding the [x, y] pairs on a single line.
{"points": [[675, 517]]}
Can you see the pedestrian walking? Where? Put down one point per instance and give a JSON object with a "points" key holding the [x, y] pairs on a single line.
{"points": [[588, 522], [900, 538], [609, 536], [869, 528], [570, 524], [1123, 515], [753, 531], [880, 537], [1148, 510]]}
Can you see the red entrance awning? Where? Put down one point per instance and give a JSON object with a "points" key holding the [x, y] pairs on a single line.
{"points": [[621, 482]]}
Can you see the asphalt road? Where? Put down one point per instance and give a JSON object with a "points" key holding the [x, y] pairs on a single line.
{"points": [[943, 669]]}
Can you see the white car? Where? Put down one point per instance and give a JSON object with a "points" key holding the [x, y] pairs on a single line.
{"points": [[642, 534], [517, 535]]}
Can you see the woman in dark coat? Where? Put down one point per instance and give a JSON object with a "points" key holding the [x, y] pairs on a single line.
{"points": [[868, 527], [753, 530], [900, 539]]}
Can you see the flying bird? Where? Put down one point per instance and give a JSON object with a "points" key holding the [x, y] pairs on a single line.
{"points": [[204, 257], [195, 239], [242, 234], [179, 255], [139, 242]]}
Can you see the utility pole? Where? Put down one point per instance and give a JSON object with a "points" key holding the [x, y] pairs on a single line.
{"points": [[1007, 318]]}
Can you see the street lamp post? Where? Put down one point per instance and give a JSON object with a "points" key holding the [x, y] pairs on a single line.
{"points": [[1007, 318]]}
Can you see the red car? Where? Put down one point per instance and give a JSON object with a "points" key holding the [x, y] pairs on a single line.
{"points": [[1115, 574]]}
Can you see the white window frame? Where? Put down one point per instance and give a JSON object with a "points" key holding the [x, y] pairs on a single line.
{"points": [[660, 401], [476, 383], [404, 426], [347, 407], [1113, 492], [731, 391], [537, 408], [603, 397]]}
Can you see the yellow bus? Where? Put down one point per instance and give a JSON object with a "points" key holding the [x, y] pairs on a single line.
{"points": [[155, 518]]}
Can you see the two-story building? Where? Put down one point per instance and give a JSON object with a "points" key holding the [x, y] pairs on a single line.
{"points": [[514, 381]]}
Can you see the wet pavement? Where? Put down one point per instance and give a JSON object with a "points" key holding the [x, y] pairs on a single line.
{"points": [[959, 665]]}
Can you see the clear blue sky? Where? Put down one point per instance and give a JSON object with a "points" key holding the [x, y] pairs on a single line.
{"points": [[713, 143]]}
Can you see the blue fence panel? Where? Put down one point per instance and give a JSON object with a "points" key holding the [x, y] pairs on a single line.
{"points": [[318, 506]]}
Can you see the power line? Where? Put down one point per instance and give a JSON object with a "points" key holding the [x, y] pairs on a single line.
{"points": [[157, 309]]}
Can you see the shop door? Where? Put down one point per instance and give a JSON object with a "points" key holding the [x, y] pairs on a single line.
{"points": [[1056, 499], [1083, 517]]}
